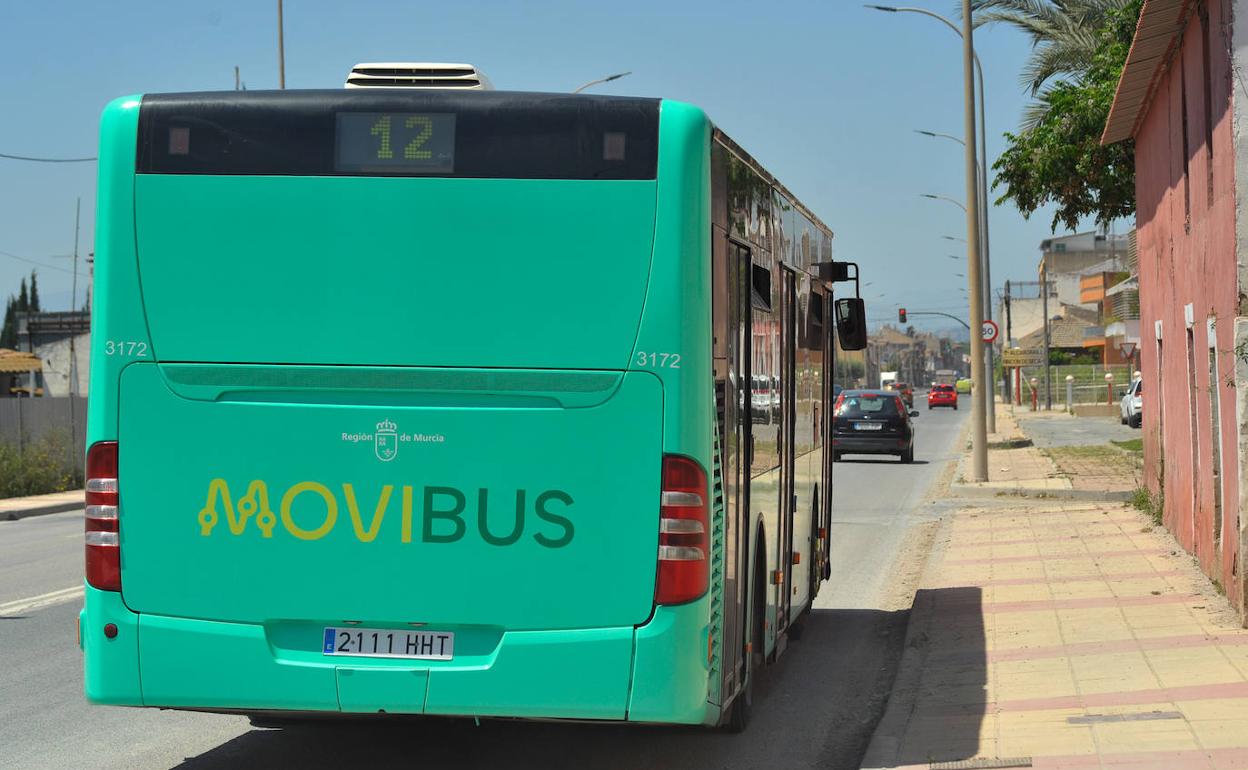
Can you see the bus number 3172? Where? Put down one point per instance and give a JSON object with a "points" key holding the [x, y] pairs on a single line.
{"points": [[658, 360]]}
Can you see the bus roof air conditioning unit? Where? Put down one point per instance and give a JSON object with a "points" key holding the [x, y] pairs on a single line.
{"points": [[458, 77]]}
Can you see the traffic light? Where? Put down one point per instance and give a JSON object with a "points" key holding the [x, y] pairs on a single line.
{"points": [[901, 315]]}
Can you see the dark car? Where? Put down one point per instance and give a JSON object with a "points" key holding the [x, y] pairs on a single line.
{"points": [[872, 422]]}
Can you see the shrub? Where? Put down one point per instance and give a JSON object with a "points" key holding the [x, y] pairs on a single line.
{"points": [[1146, 501], [42, 466]]}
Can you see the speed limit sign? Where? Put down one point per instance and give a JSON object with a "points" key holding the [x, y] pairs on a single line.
{"points": [[988, 330]]}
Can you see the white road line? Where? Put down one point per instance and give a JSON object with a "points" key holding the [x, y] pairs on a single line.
{"points": [[42, 600]]}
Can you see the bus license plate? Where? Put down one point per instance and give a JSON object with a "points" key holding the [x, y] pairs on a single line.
{"points": [[389, 643], [868, 426]]}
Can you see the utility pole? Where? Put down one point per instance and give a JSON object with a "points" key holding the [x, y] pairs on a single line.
{"points": [[73, 353], [1009, 341], [236, 80], [281, 49], [979, 395], [1044, 292]]}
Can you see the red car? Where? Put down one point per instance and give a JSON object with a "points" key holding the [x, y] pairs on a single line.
{"points": [[942, 395]]}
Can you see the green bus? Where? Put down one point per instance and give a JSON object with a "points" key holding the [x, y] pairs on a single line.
{"points": [[434, 402]]}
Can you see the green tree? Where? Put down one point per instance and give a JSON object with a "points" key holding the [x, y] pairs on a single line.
{"points": [[1064, 39], [1058, 159], [23, 298], [8, 332], [34, 293]]}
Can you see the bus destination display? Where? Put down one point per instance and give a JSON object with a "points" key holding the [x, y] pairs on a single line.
{"points": [[401, 143]]}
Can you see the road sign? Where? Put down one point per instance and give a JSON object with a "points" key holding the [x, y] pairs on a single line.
{"points": [[1020, 357], [989, 330]]}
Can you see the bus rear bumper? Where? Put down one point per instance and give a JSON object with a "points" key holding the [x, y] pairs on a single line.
{"points": [[209, 665], [111, 665]]}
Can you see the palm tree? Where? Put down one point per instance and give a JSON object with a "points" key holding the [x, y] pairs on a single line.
{"points": [[1063, 36]]}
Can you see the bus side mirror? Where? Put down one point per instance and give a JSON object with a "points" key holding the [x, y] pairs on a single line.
{"points": [[851, 323]]}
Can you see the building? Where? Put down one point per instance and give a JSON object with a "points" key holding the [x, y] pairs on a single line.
{"points": [[63, 341], [1122, 309], [1175, 99], [1067, 258], [1095, 290], [18, 373], [1068, 332]]}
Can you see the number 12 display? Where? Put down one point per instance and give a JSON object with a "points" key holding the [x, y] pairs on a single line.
{"points": [[401, 143]]}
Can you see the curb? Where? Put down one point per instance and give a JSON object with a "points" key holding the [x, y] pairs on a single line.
{"points": [[40, 510], [967, 490]]}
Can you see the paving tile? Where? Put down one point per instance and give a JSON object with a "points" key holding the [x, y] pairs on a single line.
{"points": [[1238, 656], [1081, 590], [1116, 672], [1063, 739], [1219, 733], [1023, 593], [1123, 737], [1235, 709], [1186, 668]]}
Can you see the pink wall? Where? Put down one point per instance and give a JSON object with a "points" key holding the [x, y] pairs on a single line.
{"points": [[1186, 239]]}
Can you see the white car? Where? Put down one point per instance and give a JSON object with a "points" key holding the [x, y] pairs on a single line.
{"points": [[1132, 403]]}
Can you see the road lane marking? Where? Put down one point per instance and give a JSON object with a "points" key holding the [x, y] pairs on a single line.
{"points": [[40, 601]]}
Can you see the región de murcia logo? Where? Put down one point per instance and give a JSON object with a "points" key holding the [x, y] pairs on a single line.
{"points": [[386, 441]]}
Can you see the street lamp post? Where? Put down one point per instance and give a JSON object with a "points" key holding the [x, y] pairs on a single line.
{"points": [[281, 48], [607, 79], [945, 198], [979, 398], [982, 181]]}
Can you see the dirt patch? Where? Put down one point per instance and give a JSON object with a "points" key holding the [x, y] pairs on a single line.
{"points": [[1100, 467]]}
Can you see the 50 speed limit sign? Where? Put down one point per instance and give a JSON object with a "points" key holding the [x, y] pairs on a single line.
{"points": [[988, 331]]}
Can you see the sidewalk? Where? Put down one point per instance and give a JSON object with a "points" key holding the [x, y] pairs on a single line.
{"points": [[1016, 467], [1064, 634], [13, 508]]}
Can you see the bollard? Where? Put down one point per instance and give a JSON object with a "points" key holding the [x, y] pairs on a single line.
{"points": [[1109, 388], [1070, 393], [1035, 396]]}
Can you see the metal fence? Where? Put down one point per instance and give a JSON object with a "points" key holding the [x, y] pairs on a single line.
{"points": [[1087, 387], [23, 420]]}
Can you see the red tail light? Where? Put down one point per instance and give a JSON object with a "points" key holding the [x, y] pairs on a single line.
{"points": [[684, 522], [103, 548]]}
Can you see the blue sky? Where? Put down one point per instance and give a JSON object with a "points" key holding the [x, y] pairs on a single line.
{"points": [[825, 94]]}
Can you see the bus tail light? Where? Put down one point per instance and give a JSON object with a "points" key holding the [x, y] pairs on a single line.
{"points": [[103, 548], [684, 522]]}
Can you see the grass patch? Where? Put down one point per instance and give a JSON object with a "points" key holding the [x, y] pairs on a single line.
{"points": [[41, 467], [1131, 445], [1090, 452], [1146, 501], [1013, 443]]}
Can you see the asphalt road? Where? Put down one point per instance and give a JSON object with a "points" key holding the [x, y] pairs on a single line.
{"points": [[816, 708]]}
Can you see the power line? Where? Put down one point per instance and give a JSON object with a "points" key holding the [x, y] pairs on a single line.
{"points": [[47, 160], [35, 262]]}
